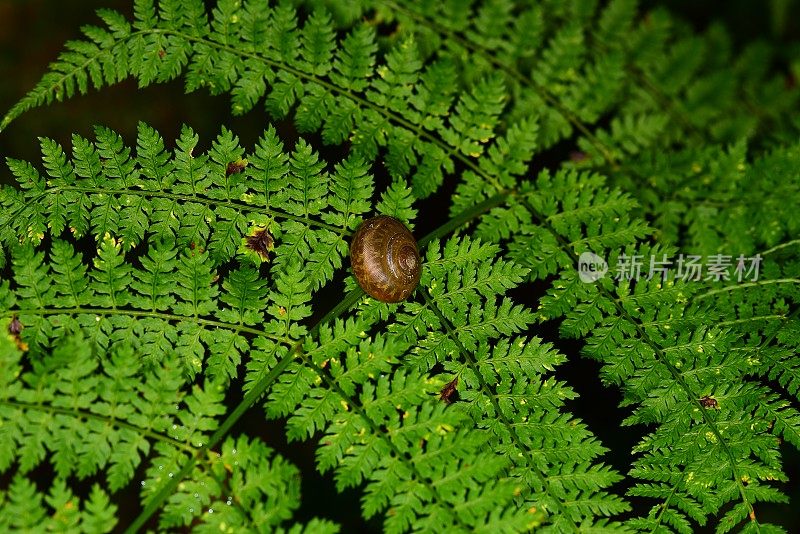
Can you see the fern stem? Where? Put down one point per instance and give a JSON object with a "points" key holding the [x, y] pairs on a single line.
{"points": [[786, 320], [745, 285], [751, 319], [776, 248], [484, 386], [466, 216], [345, 304]]}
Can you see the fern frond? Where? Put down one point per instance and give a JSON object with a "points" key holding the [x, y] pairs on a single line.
{"points": [[679, 371], [201, 272], [248, 51], [199, 310], [129, 415]]}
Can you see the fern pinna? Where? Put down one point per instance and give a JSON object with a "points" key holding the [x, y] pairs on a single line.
{"points": [[145, 284]]}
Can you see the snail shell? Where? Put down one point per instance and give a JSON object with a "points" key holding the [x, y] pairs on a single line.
{"points": [[385, 259]]}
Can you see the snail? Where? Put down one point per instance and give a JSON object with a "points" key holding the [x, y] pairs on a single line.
{"points": [[385, 259]]}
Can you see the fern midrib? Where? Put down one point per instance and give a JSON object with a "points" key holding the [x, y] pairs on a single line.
{"points": [[253, 395], [472, 288], [540, 473], [616, 205], [662, 358], [753, 199], [667, 501], [658, 520], [621, 232], [755, 318], [789, 318], [139, 313], [769, 339], [781, 246], [778, 415], [238, 206], [745, 285], [113, 421]]}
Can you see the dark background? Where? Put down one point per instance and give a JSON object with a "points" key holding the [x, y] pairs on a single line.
{"points": [[32, 33]]}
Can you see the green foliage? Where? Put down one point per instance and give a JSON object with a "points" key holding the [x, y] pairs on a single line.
{"points": [[152, 294], [186, 311]]}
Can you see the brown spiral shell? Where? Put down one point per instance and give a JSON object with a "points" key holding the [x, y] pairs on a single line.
{"points": [[385, 259]]}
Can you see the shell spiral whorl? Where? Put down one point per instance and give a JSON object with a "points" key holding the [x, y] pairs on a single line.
{"points": [[385, 259]]}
